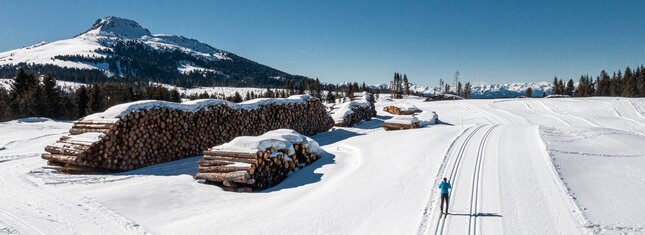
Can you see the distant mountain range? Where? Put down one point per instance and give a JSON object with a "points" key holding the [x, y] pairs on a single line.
{"points": [[489, 91], [121, 48]]}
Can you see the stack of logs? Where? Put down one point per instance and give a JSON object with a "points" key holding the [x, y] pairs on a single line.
{"points": [[389, 126], [148, 137], [362, 110], [397, 110], [247, 172]]}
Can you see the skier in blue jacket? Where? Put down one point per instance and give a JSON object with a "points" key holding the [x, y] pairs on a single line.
{"points": [[445, 194]]}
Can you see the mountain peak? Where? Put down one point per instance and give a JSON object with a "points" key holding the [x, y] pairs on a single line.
{"points": [[119, 27]]}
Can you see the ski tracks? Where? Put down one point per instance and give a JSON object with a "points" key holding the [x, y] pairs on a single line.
{"points": [[427, 211], [28, 207], [452, 172]]}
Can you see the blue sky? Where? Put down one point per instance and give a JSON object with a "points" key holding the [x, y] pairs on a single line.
{"points": [[490, 41]]}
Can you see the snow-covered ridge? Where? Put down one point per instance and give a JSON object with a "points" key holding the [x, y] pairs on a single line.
{"points": [[277, 139], [64, 85], [117, 111], [101, 36], [484, 90]]}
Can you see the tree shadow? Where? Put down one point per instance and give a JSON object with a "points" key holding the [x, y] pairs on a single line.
{"points": [[477, 215], [186, 166], [439, 122], [333, 136], [304, 176]]}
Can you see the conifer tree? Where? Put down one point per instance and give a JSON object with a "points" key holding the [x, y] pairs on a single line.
{"points": [[406, 85], [330, 97], [23, 83], [175, 96], [82, 99], [603, 85], [467, 90], [460, 89], [528, 92], [4, 105], [630, 87], [640, 76], [555, 87], [95, 103], [570, 88], [237, 98], [52, 97]]}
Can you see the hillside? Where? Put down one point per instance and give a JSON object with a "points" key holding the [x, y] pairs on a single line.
{"points": [[116, 48]]}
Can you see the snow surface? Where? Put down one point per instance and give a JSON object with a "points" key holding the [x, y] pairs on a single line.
{"points": [[117, 111], [521, 166], [276, 139]]}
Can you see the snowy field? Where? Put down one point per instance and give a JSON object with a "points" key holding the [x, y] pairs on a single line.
{"points": [[518, 166]]}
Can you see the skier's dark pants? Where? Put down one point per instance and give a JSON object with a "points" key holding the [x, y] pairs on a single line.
{"points": [[445, 198]]}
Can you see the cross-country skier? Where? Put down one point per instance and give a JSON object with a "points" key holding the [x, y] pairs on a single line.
{"points": [[445, 194]]}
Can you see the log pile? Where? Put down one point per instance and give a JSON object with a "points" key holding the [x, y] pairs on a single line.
{"points": [[389, 126], [355, 111], [396, 110], [246, 171], [145, 137], [402, 122]]}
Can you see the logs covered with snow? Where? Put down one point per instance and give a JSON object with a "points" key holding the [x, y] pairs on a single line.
{"points": [[402, 109], [143, 133], [402, 122], [249, 163], [355, 111]]}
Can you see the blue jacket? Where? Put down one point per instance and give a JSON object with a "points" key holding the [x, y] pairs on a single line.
{"points": [[444, 186]]}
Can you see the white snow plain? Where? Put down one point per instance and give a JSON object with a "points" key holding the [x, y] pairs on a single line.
{"points": [[518, 166]]}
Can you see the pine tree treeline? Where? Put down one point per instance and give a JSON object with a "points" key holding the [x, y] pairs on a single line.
{"points": [[399, 86], [31, 97], [630, 83]]}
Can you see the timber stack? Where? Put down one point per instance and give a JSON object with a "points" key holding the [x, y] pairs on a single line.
{"points": [[401, 110], [143, 133], [355, 111], [252, 163]]}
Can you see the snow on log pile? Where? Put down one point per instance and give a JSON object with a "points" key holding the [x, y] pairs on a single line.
{"points": [[402, 122], [355, 111], [251, 163], [143, 133], [402, 110]]}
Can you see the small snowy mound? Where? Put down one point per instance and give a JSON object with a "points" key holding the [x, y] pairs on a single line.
{"points": [[428, 118], [276, 139], [409, 108], [404, 119]]}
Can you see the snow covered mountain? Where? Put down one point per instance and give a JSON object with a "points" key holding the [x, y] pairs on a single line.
{"points": [[489, 91], [122, 48]]}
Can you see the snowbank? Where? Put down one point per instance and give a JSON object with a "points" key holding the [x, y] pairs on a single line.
{"points": [[276, 139], [117, 111]]}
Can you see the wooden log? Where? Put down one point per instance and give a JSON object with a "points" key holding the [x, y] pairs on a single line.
{"points": [[222, 169], [230, 154], [230, 159], [237, 177], [60, 158]]}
